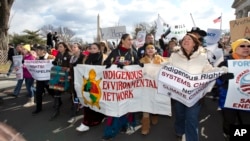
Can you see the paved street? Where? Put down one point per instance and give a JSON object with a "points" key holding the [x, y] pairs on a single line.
{"points": [[39, 128]]}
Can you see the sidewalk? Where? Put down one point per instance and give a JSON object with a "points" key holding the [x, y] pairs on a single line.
{"points": [[7, 83]]}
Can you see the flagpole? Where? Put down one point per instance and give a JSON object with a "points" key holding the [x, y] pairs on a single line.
{"points": [[221, 21], [192, 19]]}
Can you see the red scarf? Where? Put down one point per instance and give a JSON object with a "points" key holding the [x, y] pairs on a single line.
{"points": [[123, 49]]}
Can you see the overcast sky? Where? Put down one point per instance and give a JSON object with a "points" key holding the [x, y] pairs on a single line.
{"points": [[81, 15]]}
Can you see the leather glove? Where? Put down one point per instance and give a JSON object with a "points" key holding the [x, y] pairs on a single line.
{"points": [[227, 76], [141, 65], [120, 66], [108, 66]]}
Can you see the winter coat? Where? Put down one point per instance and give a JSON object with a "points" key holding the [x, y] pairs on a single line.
{"points": [[62, 59], [11, 53], [197, 64], [141, 51], [156, 60], [129, 57], [94, 59]]}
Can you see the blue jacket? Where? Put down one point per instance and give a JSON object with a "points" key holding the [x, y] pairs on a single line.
{"points": [[223, 84]]}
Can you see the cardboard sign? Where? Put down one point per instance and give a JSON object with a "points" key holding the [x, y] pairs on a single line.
{"points": [[240, 28]]}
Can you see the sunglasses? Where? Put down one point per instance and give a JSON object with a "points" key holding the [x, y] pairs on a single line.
{"points": [[242, 46]]}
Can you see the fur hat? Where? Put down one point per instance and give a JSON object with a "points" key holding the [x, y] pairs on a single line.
{"points": [[27, 47], [236, 43], [199, 31]]}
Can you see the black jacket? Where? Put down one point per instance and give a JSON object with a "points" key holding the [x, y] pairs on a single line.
{"points": [[94, 59], [62, 59], [11, 52], [129, 57]]}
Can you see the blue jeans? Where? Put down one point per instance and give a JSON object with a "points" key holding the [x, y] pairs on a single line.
{"points": [[18, 87], [187, 120], [29, 86]]}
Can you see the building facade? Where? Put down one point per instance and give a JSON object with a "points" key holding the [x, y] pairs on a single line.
{"points": [[242, 8]]}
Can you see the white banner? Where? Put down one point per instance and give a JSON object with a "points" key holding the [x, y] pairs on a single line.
{"points": [[213, 36], [39, 69], [238, 94], [113, 32], [115, 91], [185, 87], [17, 60], [140, 39]]}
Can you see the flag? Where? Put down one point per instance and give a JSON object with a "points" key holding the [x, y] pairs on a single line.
{"points": [[217, 20]]}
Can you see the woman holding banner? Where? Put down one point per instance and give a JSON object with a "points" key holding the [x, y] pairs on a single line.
{"points": [[191, 57], [123, 55], [76, 58], [240, 50], [150, 57], [92, 118], [61, 61]]}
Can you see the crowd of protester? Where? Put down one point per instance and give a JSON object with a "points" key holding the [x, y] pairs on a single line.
{"points": [[179, 54]]}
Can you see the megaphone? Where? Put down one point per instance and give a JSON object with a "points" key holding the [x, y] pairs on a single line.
{"points": [[166, 33]]}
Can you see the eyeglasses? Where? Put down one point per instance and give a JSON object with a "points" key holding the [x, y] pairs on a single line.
{"points": [[242, 46]]}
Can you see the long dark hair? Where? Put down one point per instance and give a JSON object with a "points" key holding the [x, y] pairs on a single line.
{"points": [[65, 46], [195, 48], [124, 36]]}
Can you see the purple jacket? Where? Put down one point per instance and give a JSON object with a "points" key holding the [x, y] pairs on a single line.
{"points": [[26, 73]]}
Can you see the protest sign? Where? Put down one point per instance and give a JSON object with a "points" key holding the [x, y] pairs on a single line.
{"points": [[140, 39], [17, 60], [240, 28], [39, 69], [213, 36], [185, 87], [113, 32], [238, 94]]}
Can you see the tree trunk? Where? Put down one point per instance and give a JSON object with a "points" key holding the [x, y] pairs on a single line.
{"points": [[5, 7]]}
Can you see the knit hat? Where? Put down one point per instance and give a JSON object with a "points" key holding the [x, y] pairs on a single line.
{"points": [[236, 43], [27, 47]]}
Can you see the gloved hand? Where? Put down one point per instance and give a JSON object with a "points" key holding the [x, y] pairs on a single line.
{"points": [[141, 65], [227, 76], [54, 63], [108, 66], [120, 66], [74, 64]]}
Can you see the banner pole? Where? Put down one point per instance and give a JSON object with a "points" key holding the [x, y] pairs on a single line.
{"points": [[192, 19]]}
